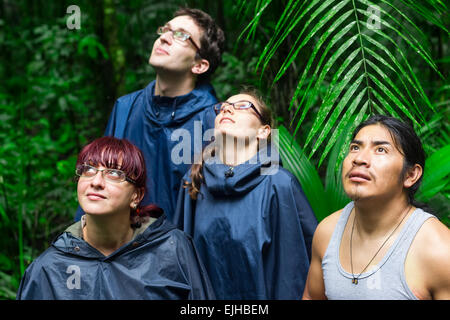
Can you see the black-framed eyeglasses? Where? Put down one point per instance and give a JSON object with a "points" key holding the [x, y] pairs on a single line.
{"points": [[111, 175], [238, 105], [177, 34]]}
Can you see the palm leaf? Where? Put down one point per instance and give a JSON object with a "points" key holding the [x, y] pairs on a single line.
{"points": [[383, 62], [333, 90], [365, 69], [343, 127], [328, 16], [410, 76], [405, 35], [254, 22], [322, 74], [270, 50], [337, 111], [438, 6], [289, 14]]}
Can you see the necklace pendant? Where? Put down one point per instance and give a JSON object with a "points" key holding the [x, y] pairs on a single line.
{"points": [[355, 281]]}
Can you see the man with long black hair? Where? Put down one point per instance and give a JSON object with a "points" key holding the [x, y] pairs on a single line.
{"points": [[382, 245]]}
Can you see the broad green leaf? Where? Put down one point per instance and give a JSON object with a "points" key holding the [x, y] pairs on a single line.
{"points": [[298, 164], [437, 169], [431, 190]]}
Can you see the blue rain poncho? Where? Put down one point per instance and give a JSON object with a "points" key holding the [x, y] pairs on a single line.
{"points": [[253, 231], [159, 263]]}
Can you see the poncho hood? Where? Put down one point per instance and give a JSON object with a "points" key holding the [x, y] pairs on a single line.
{"points": [[71, 240], [160, 262], [178, 109], [223, 180]]}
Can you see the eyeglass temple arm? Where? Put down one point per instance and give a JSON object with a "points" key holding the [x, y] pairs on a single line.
{"points": [[193, 43]]}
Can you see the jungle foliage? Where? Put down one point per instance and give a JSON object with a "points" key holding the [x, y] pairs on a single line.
{"points": [[324, 66]]}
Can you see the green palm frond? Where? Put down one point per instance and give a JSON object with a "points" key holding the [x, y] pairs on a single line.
{"points": [[361, 51]]}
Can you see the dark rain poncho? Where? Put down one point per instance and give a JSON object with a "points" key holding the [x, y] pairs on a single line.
{"points": [[159, 263], [149, 122], [253, 232]]}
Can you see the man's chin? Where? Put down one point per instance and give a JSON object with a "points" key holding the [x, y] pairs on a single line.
{"points": [[153, 61], [355, 198], [354, 194]]}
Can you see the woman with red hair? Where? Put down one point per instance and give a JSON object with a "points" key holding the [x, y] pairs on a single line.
{"points": [[120, 249]]}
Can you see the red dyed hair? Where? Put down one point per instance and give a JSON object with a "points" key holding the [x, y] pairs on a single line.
{"points": [[121, 154]]}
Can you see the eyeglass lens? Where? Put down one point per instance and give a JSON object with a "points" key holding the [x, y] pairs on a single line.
{"points": [[109, 174]]}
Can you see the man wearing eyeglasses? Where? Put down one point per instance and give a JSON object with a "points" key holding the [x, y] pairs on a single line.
{"points": [[187, 52]]}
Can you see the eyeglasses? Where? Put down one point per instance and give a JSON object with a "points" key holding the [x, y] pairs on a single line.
{"points": [[239, 105], [111, 175], [177, 34]]}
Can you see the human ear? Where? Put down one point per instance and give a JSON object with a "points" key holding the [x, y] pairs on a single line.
{"points": [[200, 66], [412, 175], [264, 132], [137, 197]]}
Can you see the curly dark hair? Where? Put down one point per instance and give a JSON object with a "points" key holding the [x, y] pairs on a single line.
{"points": [[212, 41]]}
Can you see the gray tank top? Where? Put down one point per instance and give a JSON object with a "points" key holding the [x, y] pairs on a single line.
{"points": [[385, 281]]}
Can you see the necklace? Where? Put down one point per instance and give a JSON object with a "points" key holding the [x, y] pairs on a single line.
{"points": [[355, 279]]}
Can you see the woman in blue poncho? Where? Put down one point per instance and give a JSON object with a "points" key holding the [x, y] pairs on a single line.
{"points": [[120, 249], [250, 220]]}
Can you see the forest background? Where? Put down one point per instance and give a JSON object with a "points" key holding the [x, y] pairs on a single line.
{"points": [[324, 66]]}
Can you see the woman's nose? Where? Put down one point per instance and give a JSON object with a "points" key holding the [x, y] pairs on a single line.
{"points": [[98, 180], [227, 108]]}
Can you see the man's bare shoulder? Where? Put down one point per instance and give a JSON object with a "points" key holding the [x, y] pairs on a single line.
{"points": [[431, 248], [330, 221], [433, 241], [324, 232]]}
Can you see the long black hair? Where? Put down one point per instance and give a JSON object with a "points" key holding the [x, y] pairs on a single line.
{"points": [[409, 145]]}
